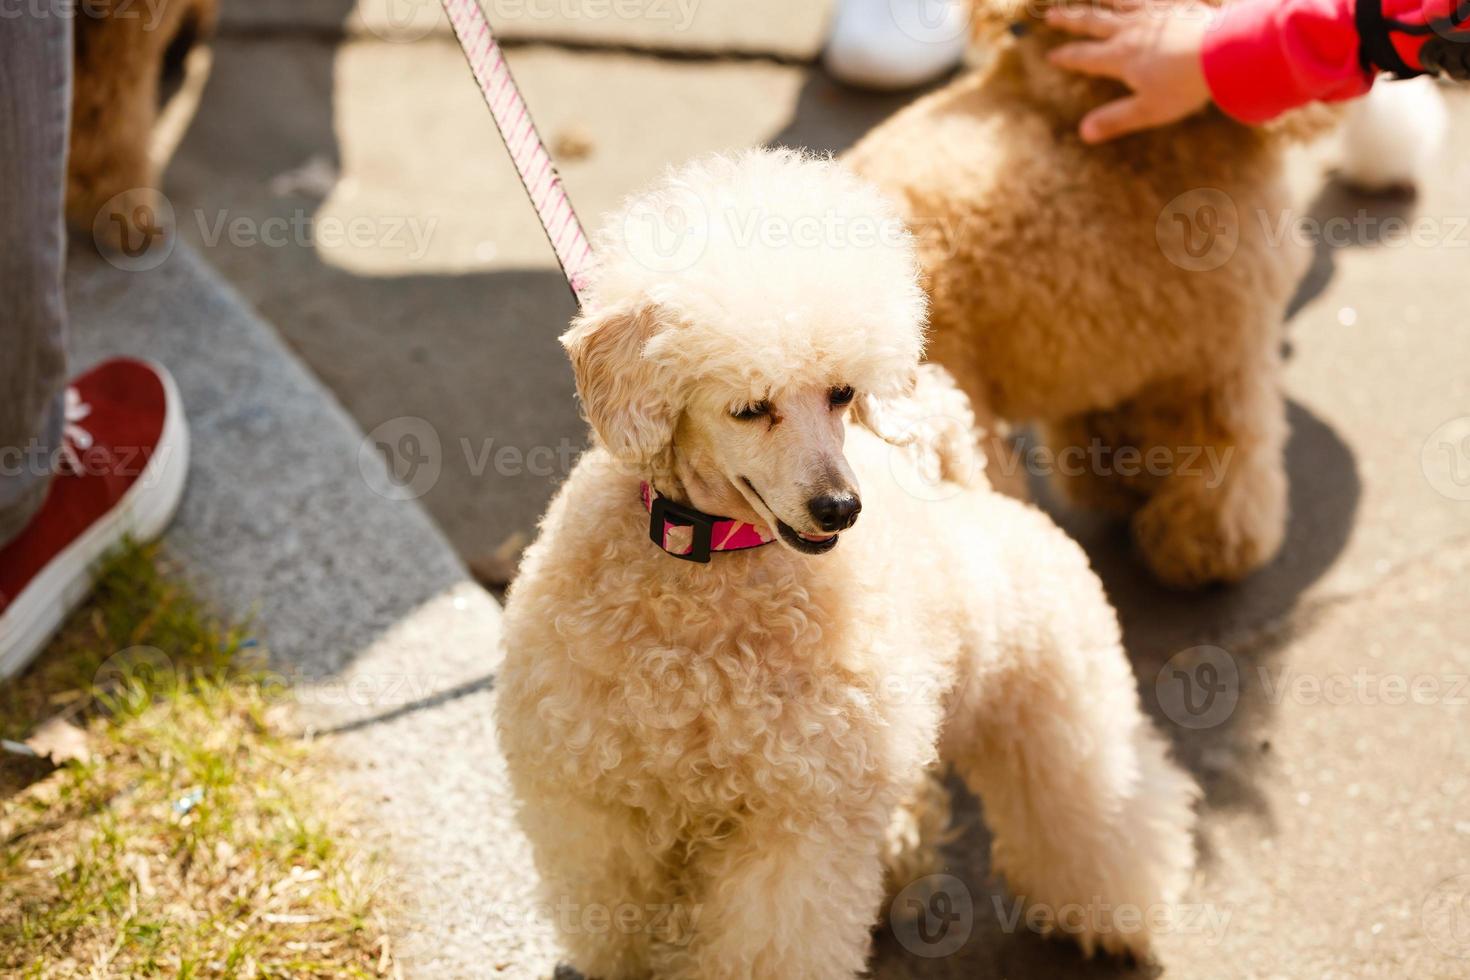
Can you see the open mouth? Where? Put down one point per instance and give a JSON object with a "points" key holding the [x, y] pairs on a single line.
{"points": [[807, 544]]}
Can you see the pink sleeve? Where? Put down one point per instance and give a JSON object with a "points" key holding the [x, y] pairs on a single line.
{"points": [[1262, 57]]}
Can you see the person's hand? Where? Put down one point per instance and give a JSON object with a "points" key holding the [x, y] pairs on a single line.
{"points": [[1151, 48]]}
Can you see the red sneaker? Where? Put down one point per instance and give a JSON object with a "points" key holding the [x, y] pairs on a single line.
{"points": [[120, 472]]}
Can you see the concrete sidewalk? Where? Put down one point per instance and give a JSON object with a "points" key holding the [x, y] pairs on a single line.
{"points": [[1334, 835], [770, 29], [365, 608]]}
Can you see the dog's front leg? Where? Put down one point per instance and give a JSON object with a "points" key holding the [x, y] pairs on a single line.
{"points": [[778, 902]]}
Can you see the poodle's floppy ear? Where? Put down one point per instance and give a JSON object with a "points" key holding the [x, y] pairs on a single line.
{"points": [[889, 418], [934, 423], [621, 395]]}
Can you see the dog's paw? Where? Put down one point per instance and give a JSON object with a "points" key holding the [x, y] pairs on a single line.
{"points": [[1192, 540]]}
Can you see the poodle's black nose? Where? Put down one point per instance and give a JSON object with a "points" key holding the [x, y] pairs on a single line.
{"points": [[835, 511]]}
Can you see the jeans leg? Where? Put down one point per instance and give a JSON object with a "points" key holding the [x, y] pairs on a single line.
{"points": [[35, 114]]}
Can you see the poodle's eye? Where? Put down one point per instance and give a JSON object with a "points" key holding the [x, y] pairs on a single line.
{"points": [[840, 396], [750, 412]]}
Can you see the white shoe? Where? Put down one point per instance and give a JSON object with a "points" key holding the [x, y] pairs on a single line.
{"points": [[891, 45], [1392, 136]]}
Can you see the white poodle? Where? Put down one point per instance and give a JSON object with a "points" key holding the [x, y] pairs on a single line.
{"points": [[710, 754]]}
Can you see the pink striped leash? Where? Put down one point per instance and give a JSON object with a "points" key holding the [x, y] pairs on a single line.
{"points": [[527, 151]]}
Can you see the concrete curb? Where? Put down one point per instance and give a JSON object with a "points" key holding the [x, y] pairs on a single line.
{"points": [[360, 599]]}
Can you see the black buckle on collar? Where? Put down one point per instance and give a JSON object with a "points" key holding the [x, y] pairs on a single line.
{"points": [[666, 512]]}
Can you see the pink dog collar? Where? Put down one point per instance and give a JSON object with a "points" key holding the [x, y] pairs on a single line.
{"points": [[692, 534]]}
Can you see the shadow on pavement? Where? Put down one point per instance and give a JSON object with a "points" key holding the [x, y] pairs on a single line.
{"points": [[830, 118], [1229, 756], [475, 354], [361, 354], [1335, 205], [1159, 623]]}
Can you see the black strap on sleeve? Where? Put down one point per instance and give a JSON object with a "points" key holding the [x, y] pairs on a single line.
{"points": [[1448, 52], [1443, 56], [1376, 51]]}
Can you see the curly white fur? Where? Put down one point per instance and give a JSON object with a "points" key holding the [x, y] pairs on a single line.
{"points": [[709, 757]]}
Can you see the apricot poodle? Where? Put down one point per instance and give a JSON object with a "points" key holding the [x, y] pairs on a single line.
{"points": [[1128, 297], [710, 754]]}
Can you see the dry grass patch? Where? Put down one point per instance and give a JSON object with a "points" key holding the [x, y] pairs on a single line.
{"points": [[182, 835]]}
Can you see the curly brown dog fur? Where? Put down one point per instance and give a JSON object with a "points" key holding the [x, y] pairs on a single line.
{"points": [[1101, 292], [123, 50], [731, 744]]}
